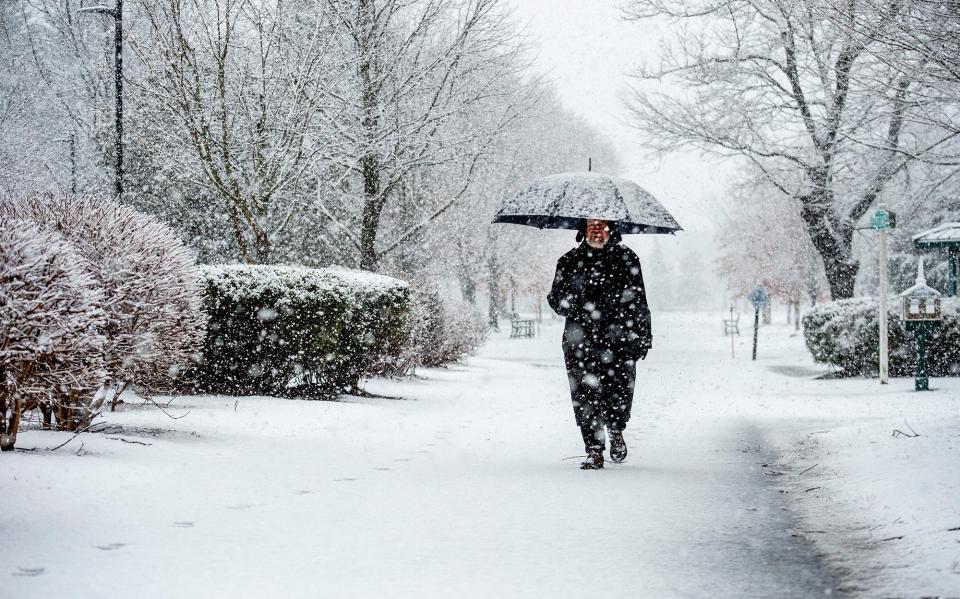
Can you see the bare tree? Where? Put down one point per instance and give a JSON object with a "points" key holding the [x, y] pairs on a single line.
{"points": [[418, 70], [245, 83], [56, 68], [792, 87], [766, 244]]}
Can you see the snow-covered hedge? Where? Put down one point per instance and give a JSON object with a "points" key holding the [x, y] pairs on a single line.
{"points": [[440, 330], [293, 331], [51, 344], [846, 334]]}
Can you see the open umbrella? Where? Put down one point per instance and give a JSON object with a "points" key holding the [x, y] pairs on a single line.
{"points": [[563, 201]]}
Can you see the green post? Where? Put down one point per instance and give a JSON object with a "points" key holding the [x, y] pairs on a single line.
{"points": [[922, 382], [922, 329], [756, 329]]}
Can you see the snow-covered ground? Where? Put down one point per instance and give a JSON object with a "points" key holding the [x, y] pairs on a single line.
{"points": [[744, 480]]}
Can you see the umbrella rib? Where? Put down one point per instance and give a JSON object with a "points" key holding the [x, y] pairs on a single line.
{"points": [[555, 205]]}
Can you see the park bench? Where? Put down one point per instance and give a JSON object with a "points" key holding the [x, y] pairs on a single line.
{"points": [[522, 327]]}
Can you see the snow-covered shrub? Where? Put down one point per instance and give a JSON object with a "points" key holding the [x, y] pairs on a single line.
{"points": [[294, 331], [148, 277], [463, 329], [846, 334], [440, 330], [51, 344]]}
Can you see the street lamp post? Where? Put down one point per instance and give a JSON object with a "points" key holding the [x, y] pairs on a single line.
{"points": [[117, 13]]}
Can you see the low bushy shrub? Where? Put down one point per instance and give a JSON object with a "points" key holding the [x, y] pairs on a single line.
{"points": [[440, 330], [293, 331], [846, 334], [100, 295], [149, 279], [51, 323]]}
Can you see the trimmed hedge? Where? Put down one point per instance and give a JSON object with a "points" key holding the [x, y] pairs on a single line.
{"points": [[846, 334], [292, 331]]}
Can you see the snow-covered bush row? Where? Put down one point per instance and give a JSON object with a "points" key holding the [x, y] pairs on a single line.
{"points": [[846, 334], [440, 330], [148, 277], [51, 344], [294, 331]]}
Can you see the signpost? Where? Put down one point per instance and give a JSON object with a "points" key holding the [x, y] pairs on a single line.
{"points": [[883, 220], [759, 298]]}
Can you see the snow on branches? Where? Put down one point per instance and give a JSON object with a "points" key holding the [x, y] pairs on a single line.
{"points": [[149, 279], [142, 317], [51, 321]]}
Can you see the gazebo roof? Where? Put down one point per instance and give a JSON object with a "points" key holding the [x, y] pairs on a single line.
{"points": [[944, 235]]}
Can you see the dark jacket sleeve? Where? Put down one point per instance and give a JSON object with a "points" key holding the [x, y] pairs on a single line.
{"points": [[636, 310], [561, 297]]}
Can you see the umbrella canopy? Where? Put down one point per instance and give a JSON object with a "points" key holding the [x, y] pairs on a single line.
{"points": [[564, 201]]}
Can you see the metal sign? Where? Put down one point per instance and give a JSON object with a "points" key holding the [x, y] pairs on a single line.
{"points": [[883, 219], [758, 297]]}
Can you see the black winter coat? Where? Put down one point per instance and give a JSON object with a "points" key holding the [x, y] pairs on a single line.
{"points": [[601, 294]]}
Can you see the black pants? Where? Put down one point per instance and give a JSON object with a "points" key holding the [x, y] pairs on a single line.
{"points": [[601, 387]]}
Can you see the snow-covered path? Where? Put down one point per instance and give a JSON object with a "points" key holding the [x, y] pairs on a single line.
{"points": [[469, 489]]}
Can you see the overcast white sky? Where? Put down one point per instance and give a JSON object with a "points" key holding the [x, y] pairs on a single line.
{"points": [[588, 51]]}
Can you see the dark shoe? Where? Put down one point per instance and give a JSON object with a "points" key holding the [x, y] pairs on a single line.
{"points": [[618, 447], [594, 460]]}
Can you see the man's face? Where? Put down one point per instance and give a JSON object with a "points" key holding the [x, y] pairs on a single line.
{"points": [[598, 233]]}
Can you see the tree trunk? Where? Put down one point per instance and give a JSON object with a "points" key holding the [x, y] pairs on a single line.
{"points": [[496, 305], [833, 240], [372, 208], [370, 161], [468, 287]]}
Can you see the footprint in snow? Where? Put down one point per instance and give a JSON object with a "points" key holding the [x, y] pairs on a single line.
{"points": [[242, 506], [182, 524], [303, 492], [402, 460], [383, 469], [345, 480], [111, 546], [29, 571]]}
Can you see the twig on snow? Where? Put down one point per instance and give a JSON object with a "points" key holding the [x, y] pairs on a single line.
{"points": [[78, 433], [808, 469], [128, 441], [812, 489], [149, 399], [911, 434], [891, 539]]}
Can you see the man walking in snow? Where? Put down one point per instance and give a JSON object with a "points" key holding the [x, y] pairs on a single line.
{"points": [[599, 289]]}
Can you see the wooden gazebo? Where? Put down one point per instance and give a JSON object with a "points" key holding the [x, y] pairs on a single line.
{"points": [[945, 236]]}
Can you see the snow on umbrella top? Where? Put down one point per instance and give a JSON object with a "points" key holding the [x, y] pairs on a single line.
{"points": [[563, 201]]}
